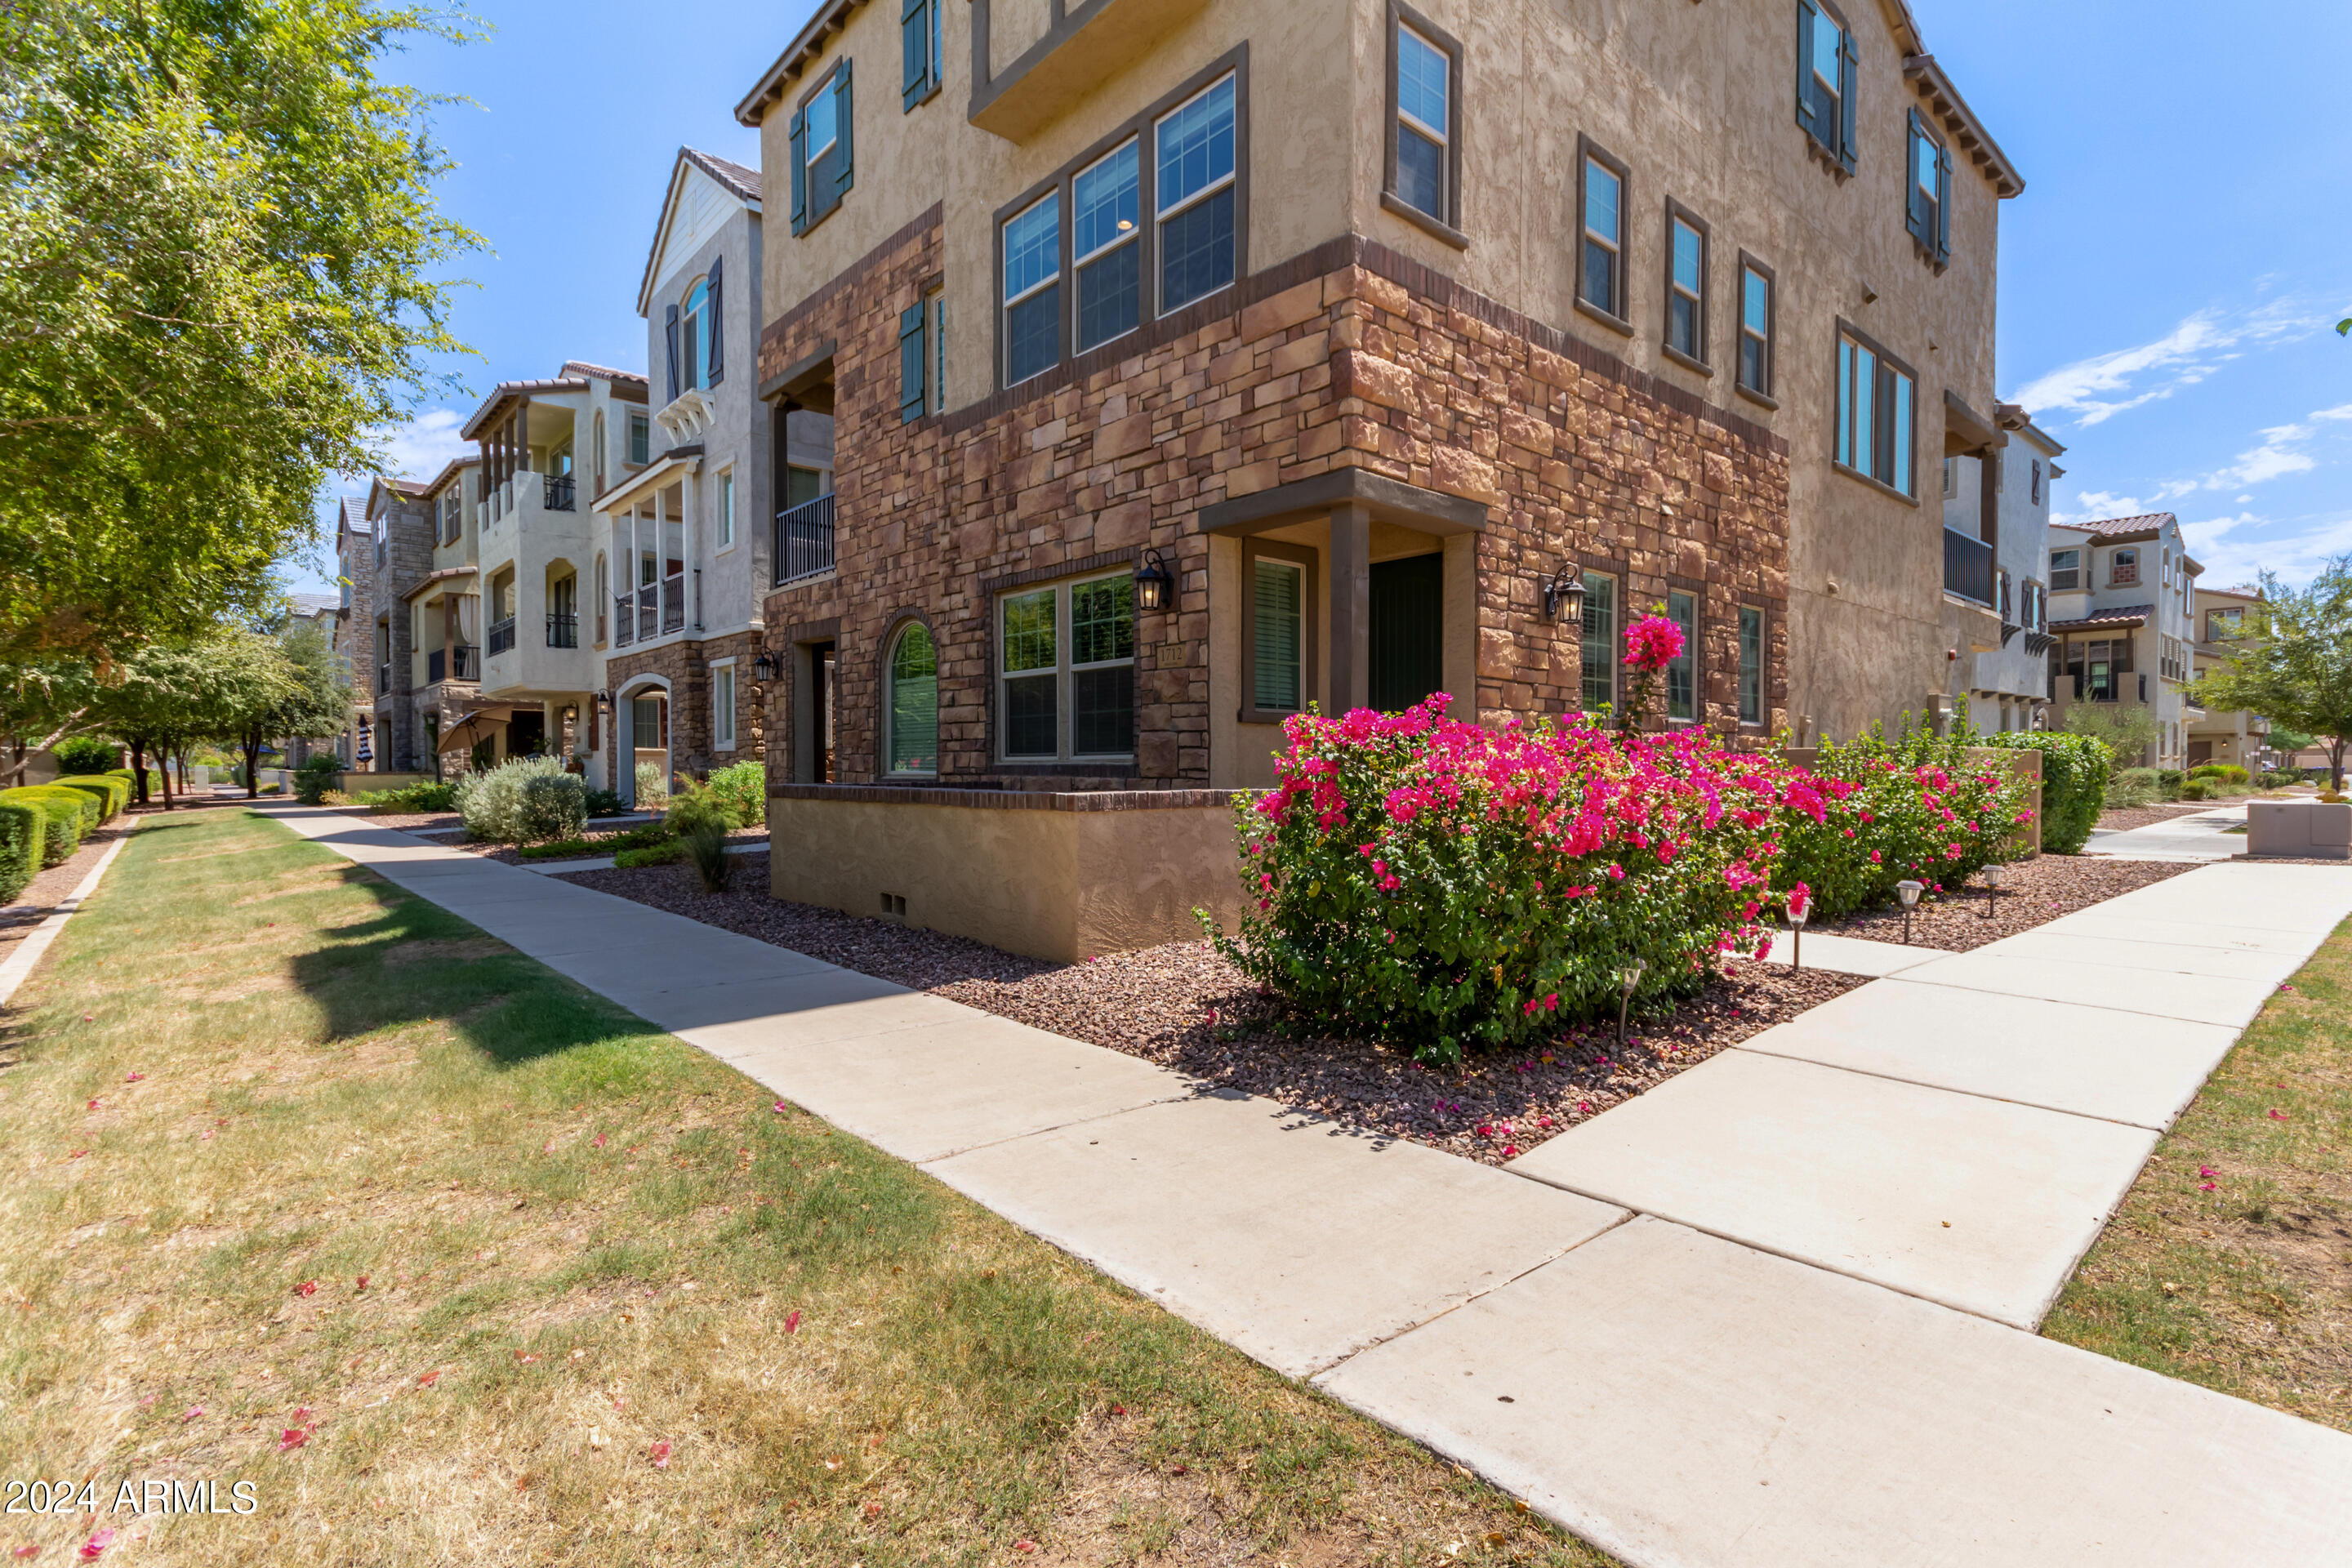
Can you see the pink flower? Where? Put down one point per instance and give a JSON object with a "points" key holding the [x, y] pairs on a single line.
{"points": [[1653, 642], [293, 1437], [194, 1411], [793, 1321]]}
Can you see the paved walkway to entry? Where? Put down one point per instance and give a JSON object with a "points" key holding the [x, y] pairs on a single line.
{"points": [[1779, 1309], [2191, 835]]}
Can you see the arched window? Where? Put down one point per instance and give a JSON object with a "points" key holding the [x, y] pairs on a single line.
{"points": [[914, 716], [694, 335]]}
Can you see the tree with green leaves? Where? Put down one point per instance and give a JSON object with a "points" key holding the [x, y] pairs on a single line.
{"points": [[176, 694], [219, 250], [310, 701], [2127, 730], [2291, 662]]}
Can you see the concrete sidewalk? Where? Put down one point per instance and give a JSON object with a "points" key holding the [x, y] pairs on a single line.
{"points": [[2192, 835], [1773, 1312]]}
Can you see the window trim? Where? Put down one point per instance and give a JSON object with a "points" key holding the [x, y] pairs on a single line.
{"points": [[1694, 649], [934, 44], [1741, 609], [896, 630], [812, 214], [1310, 673], [1006, 302], [1233, 63], [1842, 154], [723, 493], [1616, 577], [732, 742], [2076, 585], [1065, 758], [1162, 216], [1845, 330], [1445, 225], [1589, 152], [1934, 245], [1704, 301], [2115, 557], [1143, 221], [641, 423], [1763, 395]]}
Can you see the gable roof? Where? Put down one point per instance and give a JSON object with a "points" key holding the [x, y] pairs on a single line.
{"points": [[1960, 123], [799, 54], [734, 179], [355, 514]]}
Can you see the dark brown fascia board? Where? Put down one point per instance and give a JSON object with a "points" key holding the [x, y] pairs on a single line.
{"points": [[1391, 500], [1974, 426], [1928, 79], [796, 378], [505, 390], [805, 47]]}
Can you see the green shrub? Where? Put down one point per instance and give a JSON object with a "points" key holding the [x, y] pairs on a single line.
{"points": [[87, 754], [2281, 778], [63, 813], [2073, 783], [273, 787], [555, 806], [2196, 789], [606, 803], [2222, 773], [2133, 786], [492, 803], [705, 845], [652, 786], [744, 786], [111, 794], [314, 778], [697, 806], [23, 829], [651, 855], [416, 797], [563, 849]]}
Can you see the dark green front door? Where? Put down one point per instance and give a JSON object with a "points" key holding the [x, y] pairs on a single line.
{"points": [[1408, 630]]}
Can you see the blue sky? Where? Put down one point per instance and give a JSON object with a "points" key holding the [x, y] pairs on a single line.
{"points": [[2171, 278]]}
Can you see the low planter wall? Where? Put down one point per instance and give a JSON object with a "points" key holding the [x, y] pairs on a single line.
{"points": [[2299, 829], [1056, 876]]}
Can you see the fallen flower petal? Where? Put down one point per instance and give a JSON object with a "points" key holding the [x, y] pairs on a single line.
{"points": [[1025, 1546], [307, 1287], [2277, 1115], [98, 1542], [294, 1438], [301, 1413], [134, 1078], [427, 1379], [781, 1109], [194, 1411], [659, 1453]]}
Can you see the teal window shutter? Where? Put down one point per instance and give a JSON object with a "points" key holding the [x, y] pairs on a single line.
{"points": [[915, 50], [799, 171], [1848, 77], [912, 362], [1808, 114], [844, 166], [1943, 204], [714, 329]]}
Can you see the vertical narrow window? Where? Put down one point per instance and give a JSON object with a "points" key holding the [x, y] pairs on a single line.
{"points": [[2037, 482], [1751, 665], [1278, 642], [824, 138], [1682, 671], [722, 708], [1424, 128], [1102, 667], [1897, 437], [641, 430], [1032, 289], [1599, 265], [1195, 195], [937, 302], [727, 509], [694, 345], [823, 166], [1031, 663], [1685, 285], [1755, 328], [1951, 478], [1107, 247], [1598, 644], [914, 702]]}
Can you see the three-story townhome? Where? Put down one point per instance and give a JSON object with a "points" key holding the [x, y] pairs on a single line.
{"points": [[2224, 617], [542, 444], [2122, 614], [445, 612], [355, 630], [2006, 688], [398, 553], [1193, 363], [682, 542]]}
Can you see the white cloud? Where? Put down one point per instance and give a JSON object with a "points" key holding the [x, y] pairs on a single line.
{"points": [[2096, 389], [425, 444], [2277, 456], [2237, 549]]}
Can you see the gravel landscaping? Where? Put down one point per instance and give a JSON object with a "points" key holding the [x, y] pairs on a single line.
{"points": [[2122, 818], [1182, 1006], [2033, 892]]}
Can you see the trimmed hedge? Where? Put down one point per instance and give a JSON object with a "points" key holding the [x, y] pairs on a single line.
{"points": [[86, 754], [63, 812], [21, 833], [114, 794], [2073, 782]]}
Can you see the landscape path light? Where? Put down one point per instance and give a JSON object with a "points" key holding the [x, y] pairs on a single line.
{"points": [[1627, 978], [1908, 891], [1800, 909], [1993, 876]]}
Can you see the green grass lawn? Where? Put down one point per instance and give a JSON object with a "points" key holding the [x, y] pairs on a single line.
{"points": [[309, 1185], [2230, 1262]]}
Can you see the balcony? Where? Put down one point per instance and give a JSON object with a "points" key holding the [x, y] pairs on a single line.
{"points": [[673, 602], [1087, 43], [625, 621], [502, 636], [558, 495], [563, 630], [1967, 567], [648, 613], [438, 665], [803, 541]]}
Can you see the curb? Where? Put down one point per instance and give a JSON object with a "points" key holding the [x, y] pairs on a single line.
{"points": [[21, 962]]}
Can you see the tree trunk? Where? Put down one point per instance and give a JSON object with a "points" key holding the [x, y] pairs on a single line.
{"points": [[251, 746], [163, 761], [2335, 764], [138, 748]]}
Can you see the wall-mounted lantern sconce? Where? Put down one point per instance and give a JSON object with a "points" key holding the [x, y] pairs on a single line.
{"points": [[1155, 586], [1563, 596], [763, 669], [604, 704]]}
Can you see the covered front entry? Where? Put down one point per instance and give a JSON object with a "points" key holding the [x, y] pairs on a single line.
{"points": [[1408, 630], [646, 746]]}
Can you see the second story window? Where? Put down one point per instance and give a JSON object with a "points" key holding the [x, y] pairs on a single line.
{"points": [[641, 436], [1928, 203], [1423, 176], [1825, 81], [693, 341], [1874, 396], [1196, 197], [2123, 568], [1685, 285], [2065, 569], [1107, 247], [1754, 327], [1033, 290], [1600, 257], [822, 167]]}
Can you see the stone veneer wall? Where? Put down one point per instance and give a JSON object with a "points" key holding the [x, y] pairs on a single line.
{"points": [[400, 740], [685, 664], [1347, 356]]}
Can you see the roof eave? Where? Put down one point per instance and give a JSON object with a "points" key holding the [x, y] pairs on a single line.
{"points": [[1967, 131], [805, 47]]}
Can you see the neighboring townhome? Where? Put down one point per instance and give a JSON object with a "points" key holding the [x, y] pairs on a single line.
{"points": [[2006, 688], [683, 540], [445, 611], [399, 552], [325, 611], [1194, 364], [2224, 616], [2121, 592], [355, 630], [546, 448]]}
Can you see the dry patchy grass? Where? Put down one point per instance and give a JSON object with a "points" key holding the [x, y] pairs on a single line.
{"points": [[2230, 1262], [327, 1193]]}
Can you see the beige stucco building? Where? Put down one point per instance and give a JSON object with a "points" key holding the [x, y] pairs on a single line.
{"points": [[2122, 620]]}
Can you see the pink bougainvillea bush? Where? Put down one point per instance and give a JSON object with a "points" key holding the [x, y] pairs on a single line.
{"points": [[1914, 805], [1446, 886]]}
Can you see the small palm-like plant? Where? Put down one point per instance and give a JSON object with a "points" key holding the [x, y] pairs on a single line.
{"points": [[705, 845]]}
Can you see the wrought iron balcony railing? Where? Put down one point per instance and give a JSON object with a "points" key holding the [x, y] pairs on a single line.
{"points": [[803, 541], [1967, 567], [502, 636], [562, 629], [559, 493]]}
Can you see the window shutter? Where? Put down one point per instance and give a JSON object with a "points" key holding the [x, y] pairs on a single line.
{"points": [[714, 325], [844, 166], [669, 327], [915, 51], [1808, 118], [1943, 204], [912, 361], [799, 171], [1849, 78], [1916, 217]]}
